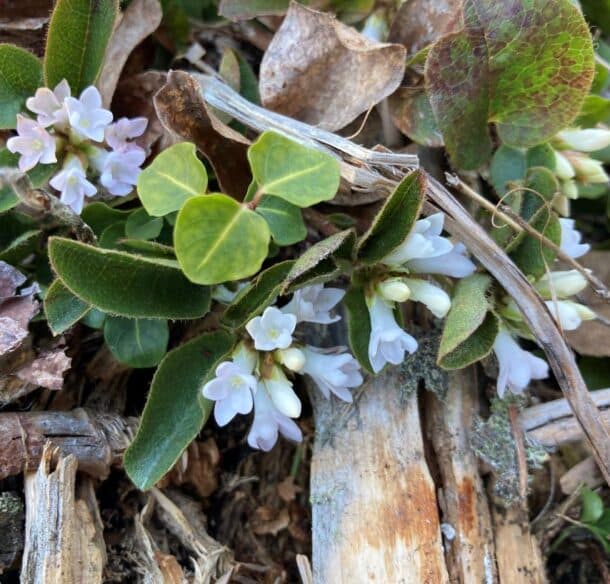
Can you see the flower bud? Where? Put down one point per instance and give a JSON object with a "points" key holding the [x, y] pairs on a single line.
{"points": [[282, 395], [569, 189], [588, 140], [394, 290], [563, 169], [292, 358], [588, 169], [564, 284], [435, 298]]}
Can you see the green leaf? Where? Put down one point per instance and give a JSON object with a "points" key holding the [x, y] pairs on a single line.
{"points": [[592, 506], [78, 33], [94, 319], [595, 110], [244, 9], [218, 240], [174, 176], [259, 294], [140, 225], [507, 165], [285, 220], [469, 306], [62, 308], [112, 236], [413, 115], [323, 253], [358, 325], [137, 342], [126, 285], [23, 245], [20, 77], [524, 65], [174, 415], [394, 220], [302, 176], [150, 249], [475, 347], [99, 216], [541, 155]]}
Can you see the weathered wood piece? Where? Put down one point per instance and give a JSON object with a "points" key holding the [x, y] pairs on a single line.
{"points": [[375, 514], [95, 440], [63, 534]]}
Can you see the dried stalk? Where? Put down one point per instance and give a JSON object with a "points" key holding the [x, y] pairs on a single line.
{"points": [[367, 169]]}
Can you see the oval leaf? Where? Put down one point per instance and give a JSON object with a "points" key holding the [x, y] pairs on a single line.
{"points": [[79, 31], [140, 225], [174, 415], [136, 342], [358, 325], [174, 176], [218, 240], [126, 285], [284, 219], [62, 308], [302, 176], [20, 77]]}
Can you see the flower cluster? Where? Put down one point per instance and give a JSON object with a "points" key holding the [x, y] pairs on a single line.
{"points": [[74, 131], [258, 374], [573, 165], [518, 367], [424, 251]]}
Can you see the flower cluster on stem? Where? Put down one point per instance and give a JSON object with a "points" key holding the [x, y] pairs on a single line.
{"points": [[78, 133]]}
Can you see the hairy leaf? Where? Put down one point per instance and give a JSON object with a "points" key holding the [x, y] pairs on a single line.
{"points": [[140, 225], [79, 31], [62, 308], [358, 325], [174, 414], [20, 76], [478, 345], [136, 342], [124, 284]]}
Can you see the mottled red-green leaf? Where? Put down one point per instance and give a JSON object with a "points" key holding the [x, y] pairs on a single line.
{"points": [[525, 65]]}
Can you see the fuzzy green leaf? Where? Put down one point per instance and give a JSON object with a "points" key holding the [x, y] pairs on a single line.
{"points": [[174, 176], [302, 176], [140, 225], [524, 65], [507, 165], [78, 34], [218, 240], [126, 285], [358, 325], [100, 216], [322, 254], [174, 414], [136, 342], [394, 220], [253, 299], [20, 77], [468, 309], [62, 308]]}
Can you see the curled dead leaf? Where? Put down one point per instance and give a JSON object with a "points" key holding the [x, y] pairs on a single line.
{"points": [[10, 280], [47, 370], [141, 19], [181, 109], [320, 71]]}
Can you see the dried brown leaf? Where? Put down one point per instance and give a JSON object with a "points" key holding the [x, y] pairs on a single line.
{"points": [[287, 490], [10, 280], [12, 334], [21, 309], [141, 19], [320, 71], [266, 525], [419, 23], [181, 109], [592, 338]]}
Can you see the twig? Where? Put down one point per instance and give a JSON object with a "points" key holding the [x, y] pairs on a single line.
{"points": [[513, 414], [518, 224]]}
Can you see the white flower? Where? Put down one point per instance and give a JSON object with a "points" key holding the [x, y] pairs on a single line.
{"points": [[292, 358], [73, 184], [34, 144], [570, 239], [588, 140], [569, 314], [120, 170], [394, 290], [268, 421], [281, 393], [517, 366], [272, 330], [388, 342], [563, 169], [434, 297], [118, 134], [424, 241], [232, 390], [587, 169], [562, 283], [333, 372], [314, 303], [87, 117], [569, 189], [454, 263], [49, 105]]}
